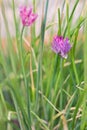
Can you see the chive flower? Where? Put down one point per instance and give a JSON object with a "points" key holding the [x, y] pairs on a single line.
{"points": [[61, 46], [27, 16]]}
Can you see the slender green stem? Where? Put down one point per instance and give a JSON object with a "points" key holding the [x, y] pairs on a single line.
{"points": [[67, 17], [33, 30], [61, 84], [71, 16], [75, 41], [56, 59], [40, 120], [25, 80], [59, 21], [39, 74], [15, 21], [84, 112], [34, 3], [17, 110], [58, 89], [75, 70], [54, 72]]}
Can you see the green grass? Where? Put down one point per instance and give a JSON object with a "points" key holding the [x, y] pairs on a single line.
{"points": [[38, 89]]}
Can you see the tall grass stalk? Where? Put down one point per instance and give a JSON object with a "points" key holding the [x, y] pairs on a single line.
{"points": [[57, 59], [84, 112], [39, 74], [25, 80], [70, 18], [16, 24]]}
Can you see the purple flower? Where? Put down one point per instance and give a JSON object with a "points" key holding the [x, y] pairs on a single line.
{"points": [[61, 46], [27, 16]]}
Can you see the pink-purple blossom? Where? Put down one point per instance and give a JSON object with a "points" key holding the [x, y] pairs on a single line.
{"points": [[27, 15], [61, 46]]}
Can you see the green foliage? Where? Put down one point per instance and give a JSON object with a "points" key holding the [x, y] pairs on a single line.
{"points": [[38, 89]]}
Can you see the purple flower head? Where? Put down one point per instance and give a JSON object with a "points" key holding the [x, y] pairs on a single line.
{"points": [[27, 16], [61, 46]]}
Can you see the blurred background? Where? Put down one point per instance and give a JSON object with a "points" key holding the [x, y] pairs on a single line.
{"points": [[52, 12]]}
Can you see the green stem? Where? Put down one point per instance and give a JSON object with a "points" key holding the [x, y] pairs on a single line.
{"points": [[58, 82], [61, 81], [75, 70], [54, 72], [33, 30], [16, 24], [67, 17], [59, 21], [56, 59], [25, 80], [39, 74], [70, 18], [34, 3], [84, 112]]}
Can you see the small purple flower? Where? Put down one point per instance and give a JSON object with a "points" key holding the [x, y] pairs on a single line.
{"points": [[61, 46], [27, 16]]}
